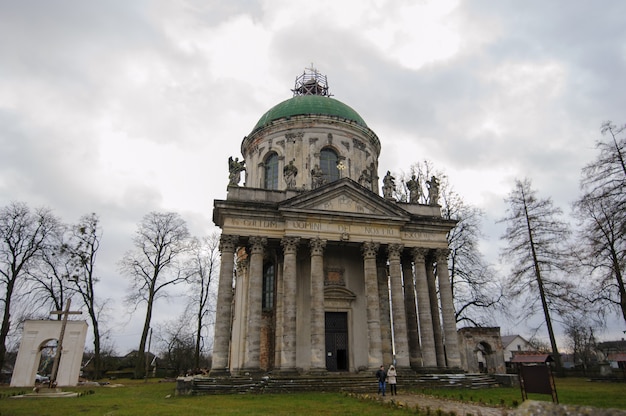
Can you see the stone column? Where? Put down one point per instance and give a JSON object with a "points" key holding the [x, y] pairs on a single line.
{"points": [[252, 360], [385, 315], [318, 323], [288, 341], [447, 310], [375, 355], [223, 317], [429, 359], [397, 304], [415, 353], [239, 324], [279, 319], [435, 312]]}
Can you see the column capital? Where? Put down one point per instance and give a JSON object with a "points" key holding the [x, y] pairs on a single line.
{"points": [[317, 246], [419, 254], [290, 244], [395, 250], [257, 244], [228, 242], [370, 249], [441, 254]]}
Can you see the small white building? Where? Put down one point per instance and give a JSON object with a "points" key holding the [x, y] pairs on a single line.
{"points": [[512, 344]]}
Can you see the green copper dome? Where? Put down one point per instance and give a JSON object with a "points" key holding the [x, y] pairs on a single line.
{"points": [[309, 104]]}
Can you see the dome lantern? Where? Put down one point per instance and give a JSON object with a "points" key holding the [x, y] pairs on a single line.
{"points": [[311, 82]]}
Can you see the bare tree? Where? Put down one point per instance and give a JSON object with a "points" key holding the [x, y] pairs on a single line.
{"points": [[49, 273], [475, 288], [602, 212], [176, 344], [24, 234], [153, 266], [83, 248], [579, 336], [536, 237], [202, 267]]}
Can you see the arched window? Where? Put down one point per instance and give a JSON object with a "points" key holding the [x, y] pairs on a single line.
{"points": [[328, 164], [270, 180], [268, 287]]}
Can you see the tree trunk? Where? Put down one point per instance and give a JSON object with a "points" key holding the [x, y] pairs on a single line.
{"points": [[96, 349], [544, 302], [198, 334], [140, 365], [6, 321]]}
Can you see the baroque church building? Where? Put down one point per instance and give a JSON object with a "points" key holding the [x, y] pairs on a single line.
{"points": [[319, 271]]}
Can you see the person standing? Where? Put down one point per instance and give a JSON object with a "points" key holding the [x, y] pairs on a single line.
{"points": [[392, 380], [381, 376]]}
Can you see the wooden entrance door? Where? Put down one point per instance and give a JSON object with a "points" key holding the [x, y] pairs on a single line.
{"points": [[337, 341]]}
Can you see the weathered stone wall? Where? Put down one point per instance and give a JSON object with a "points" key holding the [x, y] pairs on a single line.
{"points": [[533, 408]]}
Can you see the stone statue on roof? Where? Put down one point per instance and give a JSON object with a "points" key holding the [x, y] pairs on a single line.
{"points": [[317, 177], [415, 190], [235, 167], [389, 185], [289, 172], [433, 191]]}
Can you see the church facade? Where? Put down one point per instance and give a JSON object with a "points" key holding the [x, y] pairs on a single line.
{"points": [[319, 271]]}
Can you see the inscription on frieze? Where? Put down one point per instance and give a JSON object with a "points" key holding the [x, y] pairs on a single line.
{"points": [[421, 236], [306, 225], [371, 230], [254, 223]]}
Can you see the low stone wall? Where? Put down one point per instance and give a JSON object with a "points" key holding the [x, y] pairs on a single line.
{"points": [[507, 380], [533, 408]]}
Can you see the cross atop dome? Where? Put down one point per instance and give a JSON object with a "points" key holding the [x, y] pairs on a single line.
{"points": [[311, 82]]}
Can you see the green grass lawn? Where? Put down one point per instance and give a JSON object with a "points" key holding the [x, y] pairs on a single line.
{"points": [[575, 391], [139, 398]]}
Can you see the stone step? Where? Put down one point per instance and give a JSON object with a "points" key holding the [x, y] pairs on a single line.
{"points": [[332, 382]]}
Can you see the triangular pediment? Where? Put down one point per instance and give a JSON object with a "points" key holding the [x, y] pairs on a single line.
{"points": [[346, 197]]}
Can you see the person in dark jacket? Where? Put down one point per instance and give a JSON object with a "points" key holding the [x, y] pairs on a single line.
{"points": [[381, 376]]}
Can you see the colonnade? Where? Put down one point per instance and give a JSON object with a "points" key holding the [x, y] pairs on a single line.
{"points": [[424, 325]]}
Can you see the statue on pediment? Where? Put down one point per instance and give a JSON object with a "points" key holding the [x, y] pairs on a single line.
{"points": [[415, 190], [317, 177], [289, 172], [433, 191], [235, 167], [365, 180], [389, 185]]}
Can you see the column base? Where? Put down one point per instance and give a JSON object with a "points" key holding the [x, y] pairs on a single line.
{"points": [[284, 372], [219, 372], [252, 372], [317, 372]]}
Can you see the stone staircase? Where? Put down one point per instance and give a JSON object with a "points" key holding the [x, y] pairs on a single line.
{"points": [[330, 382]]}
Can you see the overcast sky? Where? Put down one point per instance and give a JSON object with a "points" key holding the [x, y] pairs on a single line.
{"points": [[124, 107]]}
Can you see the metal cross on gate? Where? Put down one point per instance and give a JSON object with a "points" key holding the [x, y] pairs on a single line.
{"points": [[57, 356]]}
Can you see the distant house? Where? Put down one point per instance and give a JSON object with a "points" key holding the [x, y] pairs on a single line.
{"points": [[614, 352], [512, 344]]}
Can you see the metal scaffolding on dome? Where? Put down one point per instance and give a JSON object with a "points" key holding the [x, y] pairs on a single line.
{"points": [[311, 82]]}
